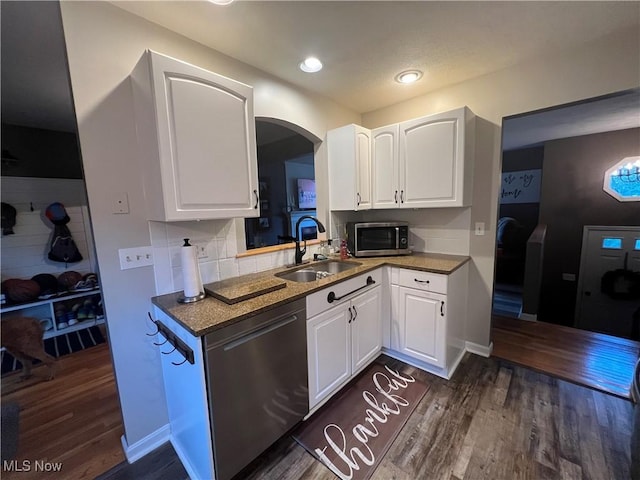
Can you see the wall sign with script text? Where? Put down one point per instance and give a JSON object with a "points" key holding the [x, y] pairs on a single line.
{"points": [[521, 187]]}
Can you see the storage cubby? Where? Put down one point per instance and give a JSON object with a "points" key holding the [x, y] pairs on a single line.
{"points": [[90, 301]]}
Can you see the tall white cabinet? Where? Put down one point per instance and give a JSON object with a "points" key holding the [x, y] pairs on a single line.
{"points": [[196, 137], [349, 154], [385, 167]]}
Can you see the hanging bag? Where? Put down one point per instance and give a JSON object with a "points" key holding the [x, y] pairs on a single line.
{"points": [[63, 247]]}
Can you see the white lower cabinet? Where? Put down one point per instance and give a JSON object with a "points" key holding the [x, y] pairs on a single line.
{"points": [[428, 312], [344, 339], [423, 325]]}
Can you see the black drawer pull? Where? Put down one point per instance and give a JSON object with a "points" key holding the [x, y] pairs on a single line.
{"points": [[255, 192], [332, 296], [421, 281], [442, 309]]}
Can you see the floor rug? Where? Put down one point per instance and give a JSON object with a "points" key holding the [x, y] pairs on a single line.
{"points": [[353, 431], [58, 346]]}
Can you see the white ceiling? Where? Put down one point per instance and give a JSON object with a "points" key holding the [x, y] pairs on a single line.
{"points": [[362, 44]]}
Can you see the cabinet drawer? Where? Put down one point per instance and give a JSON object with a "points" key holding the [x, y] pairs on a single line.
{"points": [[431, 282], [317, 302]]}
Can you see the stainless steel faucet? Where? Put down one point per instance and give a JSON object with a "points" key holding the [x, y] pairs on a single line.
{"points": [[300, 253]]}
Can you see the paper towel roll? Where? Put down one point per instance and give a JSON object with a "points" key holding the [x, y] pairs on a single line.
{"points": [[190, 270]]}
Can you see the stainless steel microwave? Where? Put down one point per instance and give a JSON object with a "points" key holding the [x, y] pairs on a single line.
{"points": [[376, 239]]}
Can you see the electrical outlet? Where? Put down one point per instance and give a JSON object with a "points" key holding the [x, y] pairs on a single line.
{"points": [[479, 228], [135, 257], [121, 203], [201, 249]]}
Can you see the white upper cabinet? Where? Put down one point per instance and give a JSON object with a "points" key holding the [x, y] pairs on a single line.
{"points": [[436, 160], [385, 167], [349, 153], [425, 162], [197, 143]]}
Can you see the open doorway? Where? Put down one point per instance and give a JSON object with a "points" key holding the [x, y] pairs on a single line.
{"points": [[42, 167], [554, 162]]}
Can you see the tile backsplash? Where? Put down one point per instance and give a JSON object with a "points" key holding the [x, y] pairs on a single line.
{"points": [[434, 230], [220, 240]]}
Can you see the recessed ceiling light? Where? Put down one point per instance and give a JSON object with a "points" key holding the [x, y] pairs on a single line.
{"points": [[221, 2], [311, 65], [409, 76]]}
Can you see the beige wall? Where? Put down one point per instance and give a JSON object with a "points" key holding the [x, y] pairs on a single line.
{"points": [[104, 43], [609, 65]]}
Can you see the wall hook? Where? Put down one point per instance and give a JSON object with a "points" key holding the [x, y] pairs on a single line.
{"points": [[170, 351], [157, 328], [180, 363], [161, 343]]}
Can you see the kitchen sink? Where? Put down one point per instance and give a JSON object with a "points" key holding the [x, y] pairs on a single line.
{"points": [[315, 271]]}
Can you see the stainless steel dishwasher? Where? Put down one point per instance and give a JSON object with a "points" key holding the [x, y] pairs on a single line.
{"points": [[257, 383]]}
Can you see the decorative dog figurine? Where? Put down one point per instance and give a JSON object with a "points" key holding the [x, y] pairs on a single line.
{"points": [[23, 338]]}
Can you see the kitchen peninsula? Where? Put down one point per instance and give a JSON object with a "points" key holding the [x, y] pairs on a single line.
{"points": [[393, 297]]}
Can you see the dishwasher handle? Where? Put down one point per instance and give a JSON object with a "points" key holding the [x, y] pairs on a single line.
{"points": [[332, 295], [258, 333]]}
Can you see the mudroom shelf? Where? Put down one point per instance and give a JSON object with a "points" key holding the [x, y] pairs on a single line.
{"points": [[45, 310]]}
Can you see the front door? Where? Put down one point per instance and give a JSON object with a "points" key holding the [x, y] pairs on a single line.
{"points": [[607, 249]]}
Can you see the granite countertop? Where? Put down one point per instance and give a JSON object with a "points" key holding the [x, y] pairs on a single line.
{"points": [[205, 316]]}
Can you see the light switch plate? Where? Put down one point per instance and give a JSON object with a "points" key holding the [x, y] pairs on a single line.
{"points": [[479, 228], [135, 257]]}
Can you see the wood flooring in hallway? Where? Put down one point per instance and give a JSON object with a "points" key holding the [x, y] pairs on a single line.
{"points": [[595, 360]]}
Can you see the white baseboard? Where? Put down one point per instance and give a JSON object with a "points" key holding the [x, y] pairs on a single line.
{"points": [[146, 445], [186, 463], [532, 317], [478, 349]]}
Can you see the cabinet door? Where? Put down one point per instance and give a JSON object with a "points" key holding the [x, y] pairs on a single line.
{"points": [[385, 167], [206, 141], [349, 155], [366, 328], [363, 161], [422, 323], [432, 160], [328, 351]]}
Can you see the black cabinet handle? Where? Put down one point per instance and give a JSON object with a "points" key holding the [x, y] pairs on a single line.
{"points": [[395, 197], [354, 309], [350, 315], [332, 296], [255, 192], [442, 309], [358, 194], [421, 281], [401, 196]]}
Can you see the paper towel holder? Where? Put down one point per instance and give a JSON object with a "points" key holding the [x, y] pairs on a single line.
{"points": [[183, 299], [190, 299]]}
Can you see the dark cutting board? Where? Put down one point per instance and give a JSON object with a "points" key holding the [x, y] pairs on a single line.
{"points": [[233, 291]]}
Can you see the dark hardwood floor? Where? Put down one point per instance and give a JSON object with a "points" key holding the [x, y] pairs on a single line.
{"points": [[594, 360], [492, 420], [495, 419]]}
